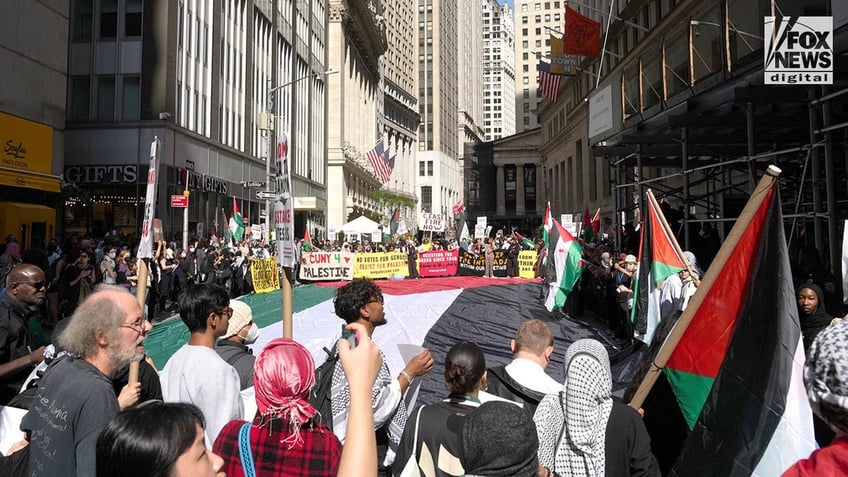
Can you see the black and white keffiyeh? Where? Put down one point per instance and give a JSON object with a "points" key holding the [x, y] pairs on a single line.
{"points": [[379, 395], [572, 424], [826, 375]]}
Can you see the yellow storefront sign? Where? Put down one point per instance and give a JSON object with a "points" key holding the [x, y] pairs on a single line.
{"points": [[27, 145]]}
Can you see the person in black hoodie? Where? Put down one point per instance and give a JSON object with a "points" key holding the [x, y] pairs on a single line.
{"points": [[811, 312]]}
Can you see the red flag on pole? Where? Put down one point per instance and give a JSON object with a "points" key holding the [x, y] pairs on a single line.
{"points": [[582, 35]]}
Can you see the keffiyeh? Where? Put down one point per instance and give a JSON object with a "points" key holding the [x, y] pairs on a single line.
{"points": [[572, 424], [826, 375]]}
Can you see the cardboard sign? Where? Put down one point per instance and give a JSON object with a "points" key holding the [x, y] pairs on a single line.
{"points": [[158, 236], [433, 222]]}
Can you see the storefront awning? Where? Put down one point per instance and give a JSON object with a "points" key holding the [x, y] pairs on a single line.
{"points": [[30, 180]]}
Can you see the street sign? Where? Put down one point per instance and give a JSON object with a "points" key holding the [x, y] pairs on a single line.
{"points": [[180, 201], [264, 195], [253, 183]]}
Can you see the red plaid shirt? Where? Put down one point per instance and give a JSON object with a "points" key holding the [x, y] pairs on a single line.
{"points": [[318, 454]]}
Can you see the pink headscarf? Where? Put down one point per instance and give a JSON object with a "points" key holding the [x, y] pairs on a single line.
{"points": [[283, 375]]}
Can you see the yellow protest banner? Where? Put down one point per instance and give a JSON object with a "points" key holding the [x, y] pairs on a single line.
{"points": [[264, 274], [526, 264], [380, 265]]}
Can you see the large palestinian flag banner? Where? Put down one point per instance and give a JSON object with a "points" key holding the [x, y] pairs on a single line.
{"points": [[659, 258], [435, 312], [736, 371]]}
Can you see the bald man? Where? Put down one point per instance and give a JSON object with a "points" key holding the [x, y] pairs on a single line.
{"points": [[24, 292]]}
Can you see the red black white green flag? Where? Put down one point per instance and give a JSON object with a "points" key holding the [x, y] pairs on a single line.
{"points": [[659, 258], [564, 266], [737, 370]]}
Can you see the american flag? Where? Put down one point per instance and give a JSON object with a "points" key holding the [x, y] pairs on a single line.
{"points": [[377, 158], [548, 83]]}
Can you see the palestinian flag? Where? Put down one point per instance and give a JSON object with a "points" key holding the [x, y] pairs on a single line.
{"points": [[306, 245], [659, 258], [393, 222], [564, 266], [447, 311], [547, 224], [737, 369], [236, 223], [524, 240], [586, 230]]}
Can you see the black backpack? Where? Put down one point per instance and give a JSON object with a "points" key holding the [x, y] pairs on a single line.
{"points": [[319, 396]]}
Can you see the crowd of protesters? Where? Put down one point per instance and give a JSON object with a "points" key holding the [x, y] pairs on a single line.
{"points": [[82, 289]]}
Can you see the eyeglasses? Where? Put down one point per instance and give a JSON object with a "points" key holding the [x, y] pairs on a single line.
{"points": [[137, 325], [376, 300], [37, 285]]}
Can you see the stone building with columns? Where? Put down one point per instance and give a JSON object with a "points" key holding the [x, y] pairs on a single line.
{"points": [[505, 182], [356, 39]]}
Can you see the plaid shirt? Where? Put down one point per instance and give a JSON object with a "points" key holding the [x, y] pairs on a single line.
{"points": [[317, 455]]}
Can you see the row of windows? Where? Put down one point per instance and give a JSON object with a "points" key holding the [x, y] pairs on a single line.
{"points": [[114, 97], [107, 14], [538, 6]]}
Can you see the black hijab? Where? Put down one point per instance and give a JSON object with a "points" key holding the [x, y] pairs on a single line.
{"points": [[812, 324]]}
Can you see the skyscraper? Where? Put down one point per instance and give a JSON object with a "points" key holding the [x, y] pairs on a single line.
{"points": [[534, 22], [439, 171], [498, 70]]}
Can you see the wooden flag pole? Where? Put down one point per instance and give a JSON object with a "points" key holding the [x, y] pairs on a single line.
{"points": [[141, 296], [668, 231], [286, 297], [766, 183]]}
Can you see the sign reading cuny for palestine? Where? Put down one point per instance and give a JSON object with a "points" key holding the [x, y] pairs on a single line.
{"points": [[284, 204], [799, 50]]}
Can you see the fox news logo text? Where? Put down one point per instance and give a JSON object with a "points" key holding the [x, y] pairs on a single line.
{"points": [[798, 50]]}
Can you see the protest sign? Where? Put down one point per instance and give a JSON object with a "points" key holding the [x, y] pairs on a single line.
{"points": [[264, 275], [321, 266], [380, 265]]}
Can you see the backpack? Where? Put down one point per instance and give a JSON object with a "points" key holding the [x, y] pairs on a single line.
{"points": [[319, 396]]}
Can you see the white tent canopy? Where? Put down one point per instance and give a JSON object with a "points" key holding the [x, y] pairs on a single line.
{"points": [[360, 225]]}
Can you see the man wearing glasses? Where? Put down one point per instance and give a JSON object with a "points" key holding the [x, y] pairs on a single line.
{"points": [[75, 397], [361, 301], [195, 373], [25, 290]]}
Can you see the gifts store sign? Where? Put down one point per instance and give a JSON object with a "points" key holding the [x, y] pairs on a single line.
{"points": [[799, 50]]}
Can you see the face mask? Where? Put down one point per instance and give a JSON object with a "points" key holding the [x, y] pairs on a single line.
{"points": [[112, 255], [191, 249], [252, 334], [182, 255]]}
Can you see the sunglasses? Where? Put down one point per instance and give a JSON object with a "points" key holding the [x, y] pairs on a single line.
{"points": [[37, 285]]}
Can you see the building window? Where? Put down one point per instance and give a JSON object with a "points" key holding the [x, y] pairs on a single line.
{"points": [[130, 98], [106, 98], [109, 19], [426, 198], [421, 168], [430, 168], [83, 12], [80, 98], [132, 18]]}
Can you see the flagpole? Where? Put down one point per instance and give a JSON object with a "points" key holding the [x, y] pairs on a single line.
{"points": [[766, 183], [604, 47], [668, 231]]}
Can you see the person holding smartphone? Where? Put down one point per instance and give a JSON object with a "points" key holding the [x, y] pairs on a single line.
{"points": [[361, 301]]}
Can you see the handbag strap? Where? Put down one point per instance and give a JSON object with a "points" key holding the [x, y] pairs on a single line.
{"points": [[244, 451]]}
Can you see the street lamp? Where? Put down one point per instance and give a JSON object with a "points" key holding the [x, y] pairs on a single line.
{"points": [[266, 121]]}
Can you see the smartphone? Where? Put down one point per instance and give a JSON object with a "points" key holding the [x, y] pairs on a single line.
{"points": [[352, 338]]}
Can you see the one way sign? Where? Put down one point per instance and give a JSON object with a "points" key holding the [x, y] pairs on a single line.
{"points": [[264, 195]]}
